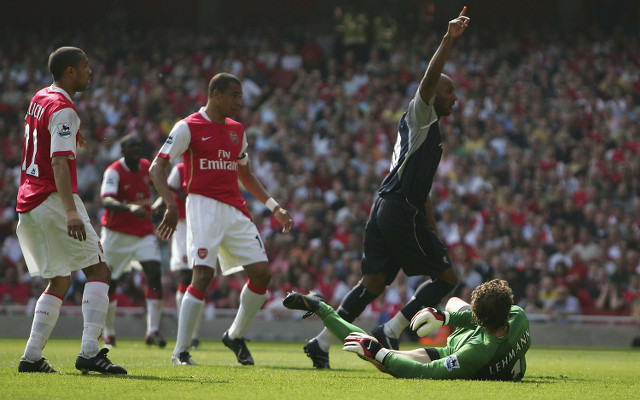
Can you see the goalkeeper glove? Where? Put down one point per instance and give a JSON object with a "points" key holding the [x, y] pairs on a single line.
{"points": [[365, 346], [428, 320]]}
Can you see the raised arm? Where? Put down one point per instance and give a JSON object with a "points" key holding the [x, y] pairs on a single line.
{"points": [[436, 65]]}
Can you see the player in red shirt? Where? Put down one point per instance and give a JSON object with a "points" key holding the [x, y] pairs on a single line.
{"points": [[55, 233], [219, 226], [127, 234]]}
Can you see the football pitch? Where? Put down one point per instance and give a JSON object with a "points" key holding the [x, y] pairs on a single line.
{"points": [[282, 371]]}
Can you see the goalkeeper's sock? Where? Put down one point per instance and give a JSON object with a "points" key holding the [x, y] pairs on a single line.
{"points": [[190, 313], [355, 302], [429, 294], [252, 298], [44, 319], [324, 339], [394, 327]]}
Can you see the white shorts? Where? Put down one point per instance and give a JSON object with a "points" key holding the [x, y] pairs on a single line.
{"points": [[218, 230], [179, 259], [48, 249], [121, 249]]}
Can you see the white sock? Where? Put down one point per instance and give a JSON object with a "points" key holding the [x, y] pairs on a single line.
{"points": [[45, 317], [190, 313], [394, 327], [324, 339], [196, 328], [179, 296], [250, 304], [95, 302], [154, 314], [110, 320]]}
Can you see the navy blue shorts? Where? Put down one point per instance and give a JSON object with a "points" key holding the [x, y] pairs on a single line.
{"points": [[398, 236]]}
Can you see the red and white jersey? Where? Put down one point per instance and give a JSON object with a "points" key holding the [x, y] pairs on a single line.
{"points": [[176, 181], [51, 127], [124, 185], [211, 153]]}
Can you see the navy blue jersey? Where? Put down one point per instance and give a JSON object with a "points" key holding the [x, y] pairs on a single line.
{"points": [[416, 154]]}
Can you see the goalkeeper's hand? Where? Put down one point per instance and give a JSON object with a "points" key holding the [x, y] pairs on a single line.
{"points": [[367, 347], [428, 320]]}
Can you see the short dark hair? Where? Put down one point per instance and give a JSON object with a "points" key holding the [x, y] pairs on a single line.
{"points": [[130, 139], [491, 303], [221, 82], [62, 58]]}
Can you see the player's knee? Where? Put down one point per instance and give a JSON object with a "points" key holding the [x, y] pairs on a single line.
{"points": [[375, 284], [153, 272], [98, 272], [259, 274], [59, 286], [450, 276], [184, 276], [202, 277]]}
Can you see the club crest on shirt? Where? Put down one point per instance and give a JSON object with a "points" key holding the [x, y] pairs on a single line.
{"points": [[64, 129], [234, 137], [202, 252], [451, 362]]}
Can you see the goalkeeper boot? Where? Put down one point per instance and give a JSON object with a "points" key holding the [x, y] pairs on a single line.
{"points": [[155, 338], [99, 363], [319, 357], [386, 341], [35, 366], [239, 348], [297, 301], [183, 358]]}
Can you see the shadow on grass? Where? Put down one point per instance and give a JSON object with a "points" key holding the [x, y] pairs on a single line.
{"points": [[551, 379], [182, 379]]}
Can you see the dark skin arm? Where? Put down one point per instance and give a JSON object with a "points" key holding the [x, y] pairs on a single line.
{"points": [[253, 185], [436, 65], [62, 177], [112, 204], [158, 173]]}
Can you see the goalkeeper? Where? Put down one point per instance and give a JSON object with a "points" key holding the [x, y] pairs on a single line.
{"points": [[489, 342]]}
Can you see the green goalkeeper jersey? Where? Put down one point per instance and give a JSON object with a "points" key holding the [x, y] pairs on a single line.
{"points": [[471, 353]]}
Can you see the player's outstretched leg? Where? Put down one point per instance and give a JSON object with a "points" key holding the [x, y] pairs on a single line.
{"points": [[99, 363], [298, 301], [239, 348]]}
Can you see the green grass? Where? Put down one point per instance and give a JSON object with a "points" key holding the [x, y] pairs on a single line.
{"points": [[282, 371]]}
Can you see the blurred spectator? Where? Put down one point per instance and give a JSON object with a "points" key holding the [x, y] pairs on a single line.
{"points": [[12, 290], [564, 304]]}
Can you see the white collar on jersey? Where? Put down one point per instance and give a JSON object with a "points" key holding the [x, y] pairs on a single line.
{"points": [[204, 114], [61, 90]]}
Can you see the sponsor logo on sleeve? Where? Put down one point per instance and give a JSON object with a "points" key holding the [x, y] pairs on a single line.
{"points": [[169, 140], [451, 362], [64, 129]]}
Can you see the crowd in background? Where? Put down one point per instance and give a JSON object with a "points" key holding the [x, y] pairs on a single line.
{"points": [[539, 183]]}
